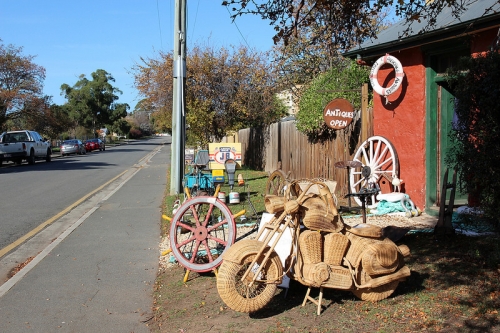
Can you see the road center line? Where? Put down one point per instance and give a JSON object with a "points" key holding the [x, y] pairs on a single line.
{"points": [[40, 227]]}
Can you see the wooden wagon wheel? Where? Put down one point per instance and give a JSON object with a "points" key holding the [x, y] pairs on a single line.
{"points": [[379, 155], [202, 229]]}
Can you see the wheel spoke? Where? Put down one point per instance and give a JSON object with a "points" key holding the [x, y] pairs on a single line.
{"points": [[378, 173], [360, 181], [185, 226], [209, 252], [365, 156], [190, 239], [377, 151], [217, 225], [379, 166], [379, 156], [209, 215], [194, 211], [194, 254], [217, 240]]}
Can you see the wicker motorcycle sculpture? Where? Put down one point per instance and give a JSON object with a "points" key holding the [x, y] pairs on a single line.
{"points": [[325, 253]]}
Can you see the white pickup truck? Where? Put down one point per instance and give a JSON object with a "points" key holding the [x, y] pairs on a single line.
{"points": [[22, 145]]}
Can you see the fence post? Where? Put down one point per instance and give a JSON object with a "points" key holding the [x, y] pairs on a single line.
{"points": [[366, 115]]}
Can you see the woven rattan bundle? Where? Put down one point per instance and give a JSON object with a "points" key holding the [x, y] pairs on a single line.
{"points": [[317, 215], [374, 295], [358, 246], [366, 230], [315, 274], [314, 271], [381, 258], [340, 277], [310, 244], [274, 204], [335, 247]]}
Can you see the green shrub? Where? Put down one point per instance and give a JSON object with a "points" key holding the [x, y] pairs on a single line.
{"points": [[342, 81]]}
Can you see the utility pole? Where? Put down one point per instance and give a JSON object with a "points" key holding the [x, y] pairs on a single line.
{"points": [[178, 115]]}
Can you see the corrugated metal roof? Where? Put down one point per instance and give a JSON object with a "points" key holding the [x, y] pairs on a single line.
{"points": [[480, 13]]}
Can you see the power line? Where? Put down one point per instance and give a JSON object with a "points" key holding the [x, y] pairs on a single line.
{"points": [[159, 23], [237, 28], [195, 17]]}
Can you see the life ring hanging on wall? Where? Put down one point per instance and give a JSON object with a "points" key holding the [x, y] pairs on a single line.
{"points": [[398, 68]]}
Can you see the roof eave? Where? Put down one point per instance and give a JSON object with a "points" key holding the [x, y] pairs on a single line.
{"points": [[438, 35]]}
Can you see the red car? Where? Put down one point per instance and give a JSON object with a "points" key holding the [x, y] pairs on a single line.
{"points": [[94, 144]]}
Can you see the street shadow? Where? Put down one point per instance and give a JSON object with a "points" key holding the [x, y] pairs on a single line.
{"points": [[58, 164]]}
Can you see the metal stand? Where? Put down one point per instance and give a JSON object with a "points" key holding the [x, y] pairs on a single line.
{"points": [[362, 195], [348, 165]]}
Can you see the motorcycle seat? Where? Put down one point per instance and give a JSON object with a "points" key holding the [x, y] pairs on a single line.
{"points": [[366, 230]]}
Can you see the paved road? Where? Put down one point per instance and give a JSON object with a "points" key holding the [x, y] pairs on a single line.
{"points": [[98, 275], [30, 194]]}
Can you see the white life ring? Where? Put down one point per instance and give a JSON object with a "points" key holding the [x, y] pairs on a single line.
{"points": [[387, 59]]}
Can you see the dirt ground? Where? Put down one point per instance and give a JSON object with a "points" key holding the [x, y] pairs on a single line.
{"points": [[195, 306]]}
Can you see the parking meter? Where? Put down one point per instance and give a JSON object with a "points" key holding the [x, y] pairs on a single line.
{"points": [[230, 166]]}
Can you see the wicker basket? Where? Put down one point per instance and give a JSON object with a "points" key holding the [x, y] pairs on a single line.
{"points": [[316, 215], [311, 246], [381, 258], [366, 230], [357, 247], [316, 274], [274, 204], [335, 247], [340, 278]]}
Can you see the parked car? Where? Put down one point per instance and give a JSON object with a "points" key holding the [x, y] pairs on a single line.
{"points": [[22, 145], [95, 144], [72, 147]]}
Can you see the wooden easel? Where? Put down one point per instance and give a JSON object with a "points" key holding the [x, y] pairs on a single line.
{"points": [[444, 225]]}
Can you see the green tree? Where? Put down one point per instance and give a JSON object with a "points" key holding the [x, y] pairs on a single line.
{"points": [[93, 103], [21, 83], [142, 116], [60, 120], [229, 89], [121, 126]]}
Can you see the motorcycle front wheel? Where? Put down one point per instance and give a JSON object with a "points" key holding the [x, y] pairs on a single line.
{"points": [[240, 295]]}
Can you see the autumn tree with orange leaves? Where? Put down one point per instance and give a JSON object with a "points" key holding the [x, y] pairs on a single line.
{"points": [[21, 85], [226, 90]]}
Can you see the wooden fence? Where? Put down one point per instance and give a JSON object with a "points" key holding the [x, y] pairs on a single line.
{"points": [[282, 145]]}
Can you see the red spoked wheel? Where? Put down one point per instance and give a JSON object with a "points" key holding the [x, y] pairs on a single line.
{"points": [[201, 231]]}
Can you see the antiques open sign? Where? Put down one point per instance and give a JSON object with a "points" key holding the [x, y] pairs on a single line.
{"points": [[338, 113]]}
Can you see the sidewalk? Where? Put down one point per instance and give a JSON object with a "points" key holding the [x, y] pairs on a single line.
{"points": [[100, 277]]}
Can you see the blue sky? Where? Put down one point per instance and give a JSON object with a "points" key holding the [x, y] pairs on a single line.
{"points": [[70, 38]]}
